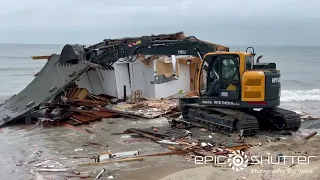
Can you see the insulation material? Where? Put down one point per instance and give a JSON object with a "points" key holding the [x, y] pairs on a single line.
{"points": [[164, 67]]}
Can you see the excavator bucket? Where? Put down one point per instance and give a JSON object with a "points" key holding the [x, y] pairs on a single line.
{"points": [[72, 54]]}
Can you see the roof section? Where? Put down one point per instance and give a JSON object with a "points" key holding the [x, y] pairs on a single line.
{"points": [[46, 85]]}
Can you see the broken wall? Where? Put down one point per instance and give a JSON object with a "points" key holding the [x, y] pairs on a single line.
{"points": [[112, 82], [148, 81], [108, 82], [122, 74], [136, 75], [91, 81], [173, 87]]}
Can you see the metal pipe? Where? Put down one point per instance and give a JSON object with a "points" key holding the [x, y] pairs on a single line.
{"points": [[125, 93]]}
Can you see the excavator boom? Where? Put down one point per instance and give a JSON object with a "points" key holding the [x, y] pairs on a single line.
{"points": [[107, 53]]}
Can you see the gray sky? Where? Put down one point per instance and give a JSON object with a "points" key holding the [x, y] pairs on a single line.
{"points": [[228, 22]]}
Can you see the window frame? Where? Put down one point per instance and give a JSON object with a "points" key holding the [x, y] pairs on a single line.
{"points": [[248, 57]]}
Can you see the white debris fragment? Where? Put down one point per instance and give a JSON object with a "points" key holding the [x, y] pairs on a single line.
{"points": [[203, 144], [78, 150], [125, 136], [37, 165], [168, 142], [50, 166], [110, 177], [53, 170], [59, 163], [210, 136], [117, 155]]}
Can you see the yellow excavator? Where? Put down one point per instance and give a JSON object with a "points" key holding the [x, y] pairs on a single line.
{"points": [[238, 94]]}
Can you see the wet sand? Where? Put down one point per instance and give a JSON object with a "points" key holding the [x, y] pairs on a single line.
{"points": [[21, 150]]}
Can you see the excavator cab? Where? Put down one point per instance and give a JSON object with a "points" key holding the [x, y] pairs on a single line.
{"points": [[223, 76], [233, 80]]}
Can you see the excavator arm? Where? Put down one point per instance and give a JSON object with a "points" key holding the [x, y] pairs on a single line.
{"points": [[105, 54]]}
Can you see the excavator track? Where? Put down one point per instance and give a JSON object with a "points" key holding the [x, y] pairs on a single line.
{"points": [[292, 119], [221, 119], [230, 120]]}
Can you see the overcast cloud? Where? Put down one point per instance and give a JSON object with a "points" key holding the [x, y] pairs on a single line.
{"points": [[228, 22]]}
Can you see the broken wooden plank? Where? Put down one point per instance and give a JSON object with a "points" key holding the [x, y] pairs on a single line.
{"points": [[74, 128], [78, 176], [166, 153], [40, 57], [238, 147], [112, 161], [201, 152], [154, 133], [310, 135], [89, 101], [145, 134]]}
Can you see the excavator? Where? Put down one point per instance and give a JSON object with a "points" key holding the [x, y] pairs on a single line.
{"points": [[240, 95]]}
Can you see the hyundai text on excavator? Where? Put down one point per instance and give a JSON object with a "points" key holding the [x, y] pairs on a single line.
{"points": [[238, 94]]}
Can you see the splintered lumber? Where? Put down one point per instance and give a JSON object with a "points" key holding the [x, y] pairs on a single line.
{"points": [[201, 152], [310, 135], [166, 153], [154, 133], [39, 57], [238, 147], [145, 134], [77, 176], [113, 161]]}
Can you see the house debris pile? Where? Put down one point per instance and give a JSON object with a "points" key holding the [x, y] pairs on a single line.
{"points": [[147, 108], [179, 139], [78, 106]]}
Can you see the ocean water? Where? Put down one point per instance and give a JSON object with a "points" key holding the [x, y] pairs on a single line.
{"points": [[300, 68]]}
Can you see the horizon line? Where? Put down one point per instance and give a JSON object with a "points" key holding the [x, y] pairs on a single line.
{"points": [[298, 45]]}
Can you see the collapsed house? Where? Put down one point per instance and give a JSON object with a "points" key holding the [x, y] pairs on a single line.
{"points": [[151, 77]]}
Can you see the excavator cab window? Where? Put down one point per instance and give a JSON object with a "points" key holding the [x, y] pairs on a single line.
{"points": [[229, 68]]}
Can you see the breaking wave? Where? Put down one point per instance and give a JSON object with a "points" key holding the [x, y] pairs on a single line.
{"points": [[300, 95]]}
